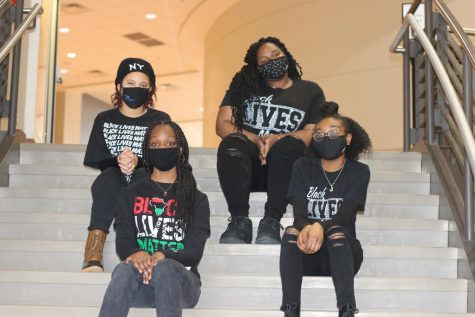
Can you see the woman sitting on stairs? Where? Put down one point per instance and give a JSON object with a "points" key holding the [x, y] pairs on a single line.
{"points": [[162, 226], [115, 147], [326, 190]]}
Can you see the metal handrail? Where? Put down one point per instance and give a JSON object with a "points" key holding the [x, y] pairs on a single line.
{"points": [[4, 4], [16, 36], [450, 93], [453, 25]]}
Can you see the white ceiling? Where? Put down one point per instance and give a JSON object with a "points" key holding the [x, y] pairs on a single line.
{"points": [[97, 30]]}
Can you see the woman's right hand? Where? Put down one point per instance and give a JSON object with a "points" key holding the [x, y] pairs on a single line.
{"points": [[310, 239], [142, 261], [127, 161]]}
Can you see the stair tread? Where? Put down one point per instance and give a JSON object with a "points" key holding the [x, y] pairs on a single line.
{"points": [[212, 248], [73, 311], [248, 281], [362, 221]]}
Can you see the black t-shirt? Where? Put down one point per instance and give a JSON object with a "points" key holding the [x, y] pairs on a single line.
{"points": [[145, 221], [309, 193], [112, 132], [278, 110]]}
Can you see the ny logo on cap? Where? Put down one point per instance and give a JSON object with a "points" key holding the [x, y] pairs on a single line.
{"points": [[134, 66]]}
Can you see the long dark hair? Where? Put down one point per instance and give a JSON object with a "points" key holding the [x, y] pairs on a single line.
{"points": [[360, 141], [245, 83], [185, 181]]}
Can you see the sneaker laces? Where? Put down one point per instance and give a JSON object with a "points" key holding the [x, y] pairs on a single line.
{"points": [[237, 221]]}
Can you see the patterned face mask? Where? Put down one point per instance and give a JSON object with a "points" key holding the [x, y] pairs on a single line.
{"points": [[274, 68]]}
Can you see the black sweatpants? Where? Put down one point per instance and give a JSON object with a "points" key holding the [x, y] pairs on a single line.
{"points": [[240, 173], [105, 192], [339, 258]]}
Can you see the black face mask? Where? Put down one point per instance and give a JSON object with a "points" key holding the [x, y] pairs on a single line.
{"points": [[329, 149], [274, 68], [135, 97], [163, 159]]}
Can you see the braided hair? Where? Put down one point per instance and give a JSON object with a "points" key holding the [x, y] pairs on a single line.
{"points": [[245, 83], [360, 142], [185, 182]]}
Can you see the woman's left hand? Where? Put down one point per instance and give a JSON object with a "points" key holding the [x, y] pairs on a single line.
{"points": [[268, 141], [310, 239]]}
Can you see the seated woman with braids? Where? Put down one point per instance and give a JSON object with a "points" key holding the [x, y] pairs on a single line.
{"points": [[265, 121], [326, 190], [162, 225]]}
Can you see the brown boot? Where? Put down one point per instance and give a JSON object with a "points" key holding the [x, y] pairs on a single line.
{"points": [[93, 252]]}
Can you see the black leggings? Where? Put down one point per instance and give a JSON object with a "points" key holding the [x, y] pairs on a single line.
{"points": [[240, 173], [105, 192], [340, 257]]}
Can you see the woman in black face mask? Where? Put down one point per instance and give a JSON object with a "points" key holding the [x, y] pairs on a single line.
{"points": [[162, 225], [115, 148], [265, 121], [326, 190]]}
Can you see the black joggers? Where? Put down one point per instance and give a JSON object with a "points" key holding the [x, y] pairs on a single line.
{"points": [[240, 173]]}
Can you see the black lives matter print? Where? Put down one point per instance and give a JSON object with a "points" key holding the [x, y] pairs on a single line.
{"points": [[263, 117], [118, 137], [321, 207]]}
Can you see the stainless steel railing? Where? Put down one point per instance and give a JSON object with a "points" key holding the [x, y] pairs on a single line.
{"points": [[454, 77], [16, 36]]}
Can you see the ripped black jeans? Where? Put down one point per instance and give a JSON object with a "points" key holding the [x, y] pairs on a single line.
{"points": [[340, 257], [240, 173]]}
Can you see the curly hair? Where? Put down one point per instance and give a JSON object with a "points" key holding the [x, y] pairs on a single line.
{"points": [[116, 98], [245, 83], [360, 141], [185, 182]]}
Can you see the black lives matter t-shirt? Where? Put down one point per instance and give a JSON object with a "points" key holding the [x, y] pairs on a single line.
{"points": [[312, 200], [146, 221], [112, 132], [277, 110]]}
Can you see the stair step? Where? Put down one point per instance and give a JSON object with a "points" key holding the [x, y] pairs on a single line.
{"points": [[379, 260], [238, 291], [74, 155], [77, 311], [79, 200], [33, 176], [370, 231]]}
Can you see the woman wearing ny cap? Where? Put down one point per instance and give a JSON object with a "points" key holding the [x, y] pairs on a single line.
{"points": [[115, 148], [265, 121]]}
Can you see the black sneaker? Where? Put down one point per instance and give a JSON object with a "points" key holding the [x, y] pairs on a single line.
{"points": [[239, 231], [347, 311], [268, 231], [291, 310]]}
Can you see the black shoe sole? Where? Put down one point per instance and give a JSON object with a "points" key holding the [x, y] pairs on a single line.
{"points": [[232, 240], [266, 240]]}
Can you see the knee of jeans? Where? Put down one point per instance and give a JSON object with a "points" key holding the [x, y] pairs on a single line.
{"points": [[110, 174], [289, 147], [124, 271], [166, 269], [336, 236], [231, 146]]}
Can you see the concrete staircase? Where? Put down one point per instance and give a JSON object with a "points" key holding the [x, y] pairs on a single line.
{"points": [[408, 270]]}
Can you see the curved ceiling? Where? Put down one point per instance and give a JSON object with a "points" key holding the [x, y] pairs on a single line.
{"points": [[102, 33]]}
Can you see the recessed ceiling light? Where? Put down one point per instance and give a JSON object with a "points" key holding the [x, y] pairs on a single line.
{"points": [[151, 16], [71, 55], [201, 109], [63, 30], [64, 71], [165, 86]]}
